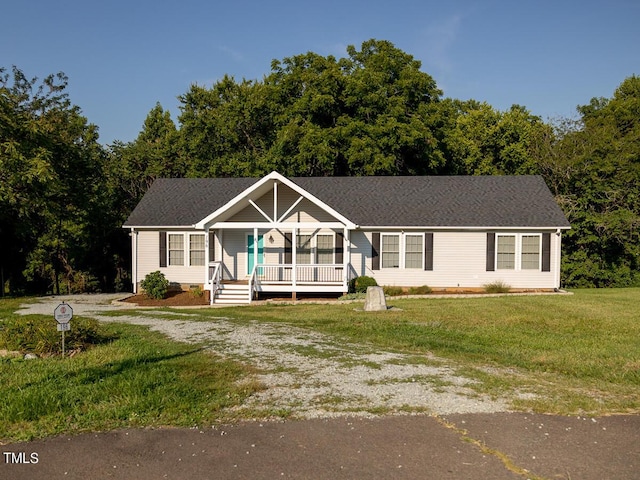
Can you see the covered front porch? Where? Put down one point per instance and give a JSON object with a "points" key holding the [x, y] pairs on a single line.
{"points": [[278, 238], [307, 258]]}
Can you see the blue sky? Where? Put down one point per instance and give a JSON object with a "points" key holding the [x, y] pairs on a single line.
{"points": [[122, 57]]}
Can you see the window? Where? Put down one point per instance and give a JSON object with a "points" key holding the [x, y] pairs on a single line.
{"points": [[324, 249], [413, 251], [176, 249], [196, 249], [530, 256], [506, 252], [390, 251], [303, 249]]}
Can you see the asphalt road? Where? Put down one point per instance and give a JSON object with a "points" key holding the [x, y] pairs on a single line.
{"points": [[471, 446]]}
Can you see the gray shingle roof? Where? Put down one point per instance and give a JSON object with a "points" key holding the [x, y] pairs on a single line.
{"points": [[438, 201]]}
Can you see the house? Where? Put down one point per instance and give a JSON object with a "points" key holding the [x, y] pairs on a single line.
{"points": [[238, 237]]}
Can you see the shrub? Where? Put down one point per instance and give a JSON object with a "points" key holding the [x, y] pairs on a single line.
{"points": [[497, 287], [392, 291], [360, 284], [196, 291], [41, 336], [155, 285], [421, 290]]}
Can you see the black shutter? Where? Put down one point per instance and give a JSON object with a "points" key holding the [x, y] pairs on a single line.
{"points": [[375, 251], [491, 252], [428, 251], [163, 249], [287, 247], [546, 252], [212, 246], [339, 248]]}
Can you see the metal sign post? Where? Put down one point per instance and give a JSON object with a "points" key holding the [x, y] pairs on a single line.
{"points": [[63, 315]]}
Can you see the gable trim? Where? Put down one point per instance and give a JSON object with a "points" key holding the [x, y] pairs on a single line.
{"points": [[275, 177]]}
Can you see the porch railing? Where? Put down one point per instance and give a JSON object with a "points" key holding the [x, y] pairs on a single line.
{"points": [[285, 274]]}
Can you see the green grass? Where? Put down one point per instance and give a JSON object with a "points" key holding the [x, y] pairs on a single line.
{"points": [[555, 354], [138, 379], [581, 351]]}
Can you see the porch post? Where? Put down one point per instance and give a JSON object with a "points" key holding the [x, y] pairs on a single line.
{"points": [[346, 256], [206, 258], [255, 248], [294, 248], [134, 260]]}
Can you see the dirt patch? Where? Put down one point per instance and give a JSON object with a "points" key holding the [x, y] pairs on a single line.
{"points": [[174, 299]]}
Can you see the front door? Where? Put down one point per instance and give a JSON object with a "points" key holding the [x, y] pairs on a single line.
{"points": [[250, 252]]}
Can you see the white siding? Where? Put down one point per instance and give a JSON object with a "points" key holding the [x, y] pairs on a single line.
{"points": [[459, 260], [149, 260]]}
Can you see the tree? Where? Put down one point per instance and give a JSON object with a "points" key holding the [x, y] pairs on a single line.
{"points": [[597, 181], [50, 179], [314, 115]]}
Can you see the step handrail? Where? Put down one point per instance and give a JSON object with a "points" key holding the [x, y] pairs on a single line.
{"points": [[215, 278]]}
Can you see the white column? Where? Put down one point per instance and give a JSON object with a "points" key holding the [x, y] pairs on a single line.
{"points": [[557, 259], [294, 244], [134, 260], [255, 247], [346, 256], [206, 257]]}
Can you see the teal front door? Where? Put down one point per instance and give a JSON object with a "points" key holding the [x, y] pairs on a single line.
{"points": [[251, 253]]}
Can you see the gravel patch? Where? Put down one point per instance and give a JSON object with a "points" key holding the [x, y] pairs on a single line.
{"points": [[307, 374]]}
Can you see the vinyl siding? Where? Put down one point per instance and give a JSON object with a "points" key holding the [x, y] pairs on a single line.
{"points": [[149, 260], [459, 260]]}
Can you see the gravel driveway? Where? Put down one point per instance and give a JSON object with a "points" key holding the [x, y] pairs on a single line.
{"points": [[309, 374]]}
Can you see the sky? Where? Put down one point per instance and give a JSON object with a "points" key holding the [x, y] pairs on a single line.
{"points": [[123, 57]]}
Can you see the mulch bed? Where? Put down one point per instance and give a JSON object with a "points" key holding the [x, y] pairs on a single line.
{"points": [[174, 299]]}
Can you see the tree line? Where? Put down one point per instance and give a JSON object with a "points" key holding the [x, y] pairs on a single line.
{"points": [[64, 196]]}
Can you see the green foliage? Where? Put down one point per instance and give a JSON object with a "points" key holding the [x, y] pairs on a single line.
{"points": [[155, 285], [392, 290], [421, 290], [360, 284], [64, 197], [497, 287], [54, 214], [196, 291], [594, 168], [40, 335]]}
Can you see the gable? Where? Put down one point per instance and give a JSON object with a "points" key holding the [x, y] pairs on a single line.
{"points": [[303, 211]]}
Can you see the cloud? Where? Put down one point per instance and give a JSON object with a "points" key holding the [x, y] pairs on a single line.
{"points": [[438, 39], [231, 53]]}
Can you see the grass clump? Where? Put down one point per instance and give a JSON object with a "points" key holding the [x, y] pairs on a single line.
{"points": [[421, 290], [392, 290], [39, 335], [497, 287]]}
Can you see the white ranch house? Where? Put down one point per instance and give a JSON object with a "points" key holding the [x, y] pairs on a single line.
{"points": [[239, 237]]}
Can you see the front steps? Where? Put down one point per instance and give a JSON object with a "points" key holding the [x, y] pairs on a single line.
{"points": [[232, 293]]}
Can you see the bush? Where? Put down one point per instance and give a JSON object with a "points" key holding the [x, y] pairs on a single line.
{"points": [[360, 284], [421, 290], [392, 291], [497, 287], [41, 336], [155, 285], [196, 291]]}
